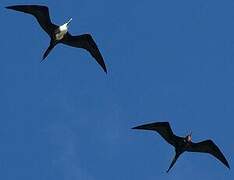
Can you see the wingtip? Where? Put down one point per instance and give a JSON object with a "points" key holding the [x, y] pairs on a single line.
{"points": [[105, 70], [137, 127], [42, 60], [10, 7]]}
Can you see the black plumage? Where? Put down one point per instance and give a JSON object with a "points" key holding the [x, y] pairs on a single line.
{"points": [[85, 41], [182, 144]]}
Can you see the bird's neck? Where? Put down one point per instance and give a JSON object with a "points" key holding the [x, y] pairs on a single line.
{"points": [[64, 27]]}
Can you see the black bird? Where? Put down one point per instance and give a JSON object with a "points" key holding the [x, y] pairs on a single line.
{"points": [[182, 144], [60, 34]]}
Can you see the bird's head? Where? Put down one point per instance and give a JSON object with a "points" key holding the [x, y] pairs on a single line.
{"points": [[189, 137]]}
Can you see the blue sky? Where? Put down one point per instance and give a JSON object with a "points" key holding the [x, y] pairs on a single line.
{"points": [[167, 61]]}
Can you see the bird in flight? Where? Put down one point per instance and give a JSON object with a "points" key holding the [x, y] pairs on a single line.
{"points": [[183, 144], [60, 34]]}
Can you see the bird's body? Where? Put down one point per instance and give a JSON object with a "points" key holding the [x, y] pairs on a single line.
{"points": [[60, 34], [184, 144], [61, 31]]}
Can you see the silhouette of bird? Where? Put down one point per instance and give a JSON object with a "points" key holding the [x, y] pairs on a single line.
{"points": [[182, 144], [60, 34]]}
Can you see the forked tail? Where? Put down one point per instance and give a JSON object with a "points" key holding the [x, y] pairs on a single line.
{"points": [[48, 50], [174, 160]]}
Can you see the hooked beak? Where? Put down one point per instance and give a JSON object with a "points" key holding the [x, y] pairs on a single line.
{"points": [[69, 21]]}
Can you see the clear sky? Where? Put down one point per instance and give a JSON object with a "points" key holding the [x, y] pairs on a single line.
{"points": [[167, 60]]}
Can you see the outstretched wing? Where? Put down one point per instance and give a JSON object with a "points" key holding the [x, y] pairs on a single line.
{"points": [[85, 41], [163, 128], [208, 146], [40, 12]]}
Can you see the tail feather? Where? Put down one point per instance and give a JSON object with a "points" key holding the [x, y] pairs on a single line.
{"points": [[48, 50], [173, 161]]}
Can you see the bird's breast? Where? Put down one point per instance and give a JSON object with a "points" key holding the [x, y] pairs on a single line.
{"points": [[60, 32]]}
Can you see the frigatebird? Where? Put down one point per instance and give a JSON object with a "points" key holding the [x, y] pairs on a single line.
{"points": [[182, 144], [60, 34]]}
